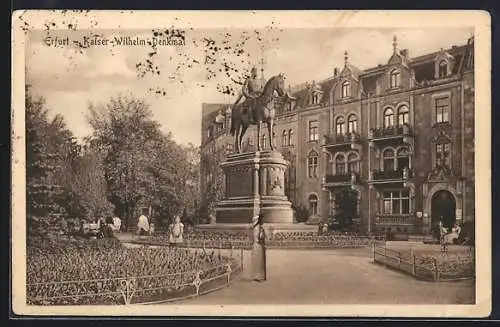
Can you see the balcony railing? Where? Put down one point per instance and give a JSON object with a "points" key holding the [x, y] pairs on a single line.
{"points": [[404, 173], [390, 132], [395, 220], [341, 139], [345, 178]]}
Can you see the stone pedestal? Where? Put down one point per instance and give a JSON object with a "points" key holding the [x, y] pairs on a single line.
{"points": [[254, 183]]}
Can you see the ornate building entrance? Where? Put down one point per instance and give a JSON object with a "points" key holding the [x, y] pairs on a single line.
{"points": [[443, 208]]}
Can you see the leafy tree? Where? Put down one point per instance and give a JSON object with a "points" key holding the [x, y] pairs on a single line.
{"points": [[88, 197], [301, 213], [214, 187], [345, 207], [142, 166], [291, 157], [50, 153]]}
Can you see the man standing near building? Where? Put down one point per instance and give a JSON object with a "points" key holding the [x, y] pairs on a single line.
{"points": [[251, 90]]}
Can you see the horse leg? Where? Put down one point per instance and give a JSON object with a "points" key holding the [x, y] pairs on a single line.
{"points": [[258, 136], [237, 147], [270, 132]]}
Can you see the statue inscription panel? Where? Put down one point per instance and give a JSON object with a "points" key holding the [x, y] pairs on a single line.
{"points": [[239, 183]]}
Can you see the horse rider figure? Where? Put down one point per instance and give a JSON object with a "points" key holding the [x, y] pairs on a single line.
{"points": [[251, 90]]}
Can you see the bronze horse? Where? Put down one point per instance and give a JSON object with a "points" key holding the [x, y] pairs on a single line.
{"points": [[263, 112]]}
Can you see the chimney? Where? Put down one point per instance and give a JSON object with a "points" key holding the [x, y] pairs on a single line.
{"points": [[335, 72]]}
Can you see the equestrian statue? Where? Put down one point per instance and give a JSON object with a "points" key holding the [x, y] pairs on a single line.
{"points": [[257, 108]]}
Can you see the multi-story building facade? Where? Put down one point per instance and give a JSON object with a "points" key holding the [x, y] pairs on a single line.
{"points": [[400, 136]]}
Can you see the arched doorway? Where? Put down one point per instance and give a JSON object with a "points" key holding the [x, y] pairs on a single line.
{"points": [[443, 209], [313, 205]]}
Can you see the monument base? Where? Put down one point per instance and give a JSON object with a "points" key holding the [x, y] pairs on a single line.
{"points": [[254, 184]]}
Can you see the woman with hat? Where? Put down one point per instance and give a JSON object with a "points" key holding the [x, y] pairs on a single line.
{"points": [[259, 248]]}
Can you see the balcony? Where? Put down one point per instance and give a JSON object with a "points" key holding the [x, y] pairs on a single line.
{"points": [[340, 179], [343, 141], [400, 133], [400, 175], [396, 220]]}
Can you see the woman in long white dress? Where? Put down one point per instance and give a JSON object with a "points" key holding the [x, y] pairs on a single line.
{"points": [[176, 231], [259, 249]]}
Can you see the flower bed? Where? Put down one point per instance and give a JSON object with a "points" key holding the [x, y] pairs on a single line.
{"points": [[233, 239], [428, 265], [449, 266], [104, 272]]}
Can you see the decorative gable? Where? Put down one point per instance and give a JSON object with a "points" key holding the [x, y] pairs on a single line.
{"points": [[443, 64], [398, 58]]}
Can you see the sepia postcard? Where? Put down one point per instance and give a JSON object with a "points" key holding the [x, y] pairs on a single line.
{"points": [[251, 163]]}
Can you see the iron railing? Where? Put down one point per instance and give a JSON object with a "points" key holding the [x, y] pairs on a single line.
{"points": [[427, 267], [136, 289]]}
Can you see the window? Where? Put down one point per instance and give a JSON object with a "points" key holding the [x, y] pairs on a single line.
{"points": [[312, 165], [290, 137], [388, 157], [346, 89], [396, 202], [264, 141], [315, 98], [352, 160], [352, 124], [403, 115], [443, 154], [284, 138], [442, 109], [313, 204], [340, 126], [340, 165], [313, 130], [388, 118], [443, 69], [229, 148], [395, 79], [403, 158]]}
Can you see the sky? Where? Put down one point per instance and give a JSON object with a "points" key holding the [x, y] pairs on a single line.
{"points": [[70, 80]]}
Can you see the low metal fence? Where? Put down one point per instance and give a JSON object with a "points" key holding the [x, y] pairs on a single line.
{"points": [[322, 242], [427, 267], [138, 289]]}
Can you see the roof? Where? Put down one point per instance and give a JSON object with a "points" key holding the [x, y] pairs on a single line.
{"points": [[422, 65], [208, 108]]}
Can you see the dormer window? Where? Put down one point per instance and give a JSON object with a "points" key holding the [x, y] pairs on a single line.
{"points": [[395, 79], [443, 69], [346, 89]]}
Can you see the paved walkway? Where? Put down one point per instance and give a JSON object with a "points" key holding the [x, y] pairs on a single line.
{"points": [[334, 277], [340, 276]]}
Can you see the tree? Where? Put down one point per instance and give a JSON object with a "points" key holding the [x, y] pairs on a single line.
{"points": [[290, 187], [142, 166], [346, 202], [51, 151], [214, 187], [88, 196]]}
